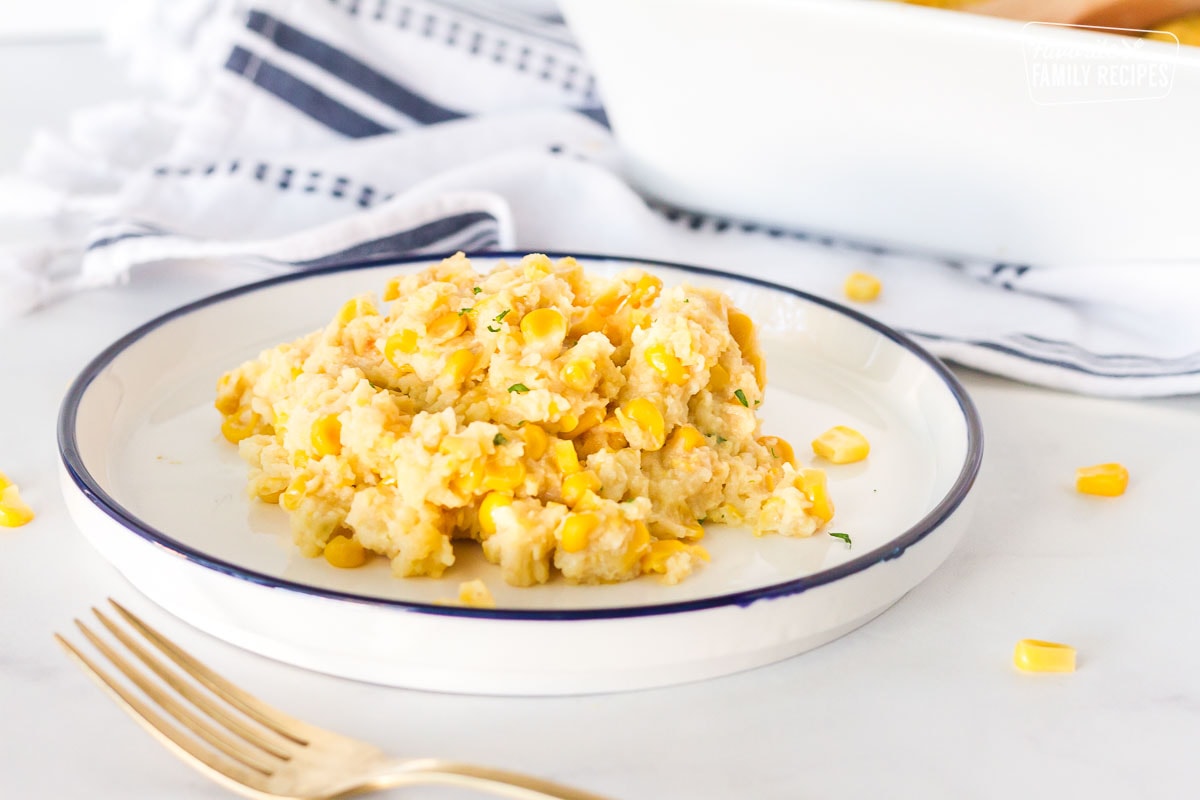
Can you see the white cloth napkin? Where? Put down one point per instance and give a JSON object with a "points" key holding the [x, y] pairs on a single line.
{"points": [[308, 133]]}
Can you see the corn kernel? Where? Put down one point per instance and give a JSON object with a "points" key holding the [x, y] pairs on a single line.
{"points": [[646, 416], [403, 342], [576, 484], [688, 438], [577, 529], [13, 511], [645, 290], [344, 552], [1106, 480], [544, 324], [662, 551], [459, 365], [240, 425], [446, 326], [1032, 655], [609, 301], [579, 374], [468, 481], [841, 445], [391, 290], [741, 327], [779, 448], [487, 511], [536, 440], [355, 308], [230, 387], [504, 476], [638, 544], [475, 594], [759, 365], [666, 365], [293, 494], [812, 483], [861, 287], [589, 321], [590, 419], [327, 436], [718, 377], [565, 457]]}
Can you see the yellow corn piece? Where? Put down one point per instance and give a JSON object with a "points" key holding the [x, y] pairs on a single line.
{"points": [[841, 445], [812, 483], [608, 302], [487, 511], [581, 425], [469, 479], [695, 531], [662, 551], [688, 438], [1032, 655], [352, 309], [565, 457], [459, 365], [503, 476], [718, 378], [646, 416], [666, 365], [638, 544], [645, 290], [779, 448], [536, 440], [327, 436], [446, 326], [240, 425], [544, 325], [861, 287], [13, 511], [344, 552], [403, 342], [741, 327], [1106, 480], [579, 374], [475, 594], [577, 529], [230, 388], [575, 485], [294, 493], [391, 290]]}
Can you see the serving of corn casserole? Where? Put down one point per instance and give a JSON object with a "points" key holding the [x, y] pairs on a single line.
{"points": [[570, 423]]}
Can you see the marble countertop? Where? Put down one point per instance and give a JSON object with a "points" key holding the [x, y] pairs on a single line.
{"points": [[922, 702]]}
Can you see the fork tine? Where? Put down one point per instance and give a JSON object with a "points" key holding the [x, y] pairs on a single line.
{"points": [[245, 702], [237, 751], [231, 775], [192, 694]]}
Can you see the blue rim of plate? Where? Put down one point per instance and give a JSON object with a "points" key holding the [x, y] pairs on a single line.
{"points": [[69, 452]]}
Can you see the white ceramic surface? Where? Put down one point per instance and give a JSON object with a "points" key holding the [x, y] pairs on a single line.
{"points": [[159, 493], [905, 125]]}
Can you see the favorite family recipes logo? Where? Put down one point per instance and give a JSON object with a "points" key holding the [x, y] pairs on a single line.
{"points": [[1065, 65]]}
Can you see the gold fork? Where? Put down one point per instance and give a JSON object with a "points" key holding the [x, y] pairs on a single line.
{"points": [[257, 751]]}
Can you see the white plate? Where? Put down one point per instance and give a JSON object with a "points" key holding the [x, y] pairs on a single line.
{"points": [[161, 495]]}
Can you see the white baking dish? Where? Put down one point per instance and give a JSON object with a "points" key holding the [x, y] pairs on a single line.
{"points": [[901, 124]]}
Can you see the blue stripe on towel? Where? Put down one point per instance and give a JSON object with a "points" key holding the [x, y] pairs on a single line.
{"points": [[403, 242], [349, 69], [302, 96]]}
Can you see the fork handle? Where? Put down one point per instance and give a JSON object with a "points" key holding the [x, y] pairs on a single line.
{"points": [[498, 782]]}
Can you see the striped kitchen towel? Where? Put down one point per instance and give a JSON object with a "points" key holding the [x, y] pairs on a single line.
{"points": [[297, 134]]}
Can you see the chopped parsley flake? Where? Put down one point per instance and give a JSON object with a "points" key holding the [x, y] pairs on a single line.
{"points": [[519, 388], [493, 329], [773, 453], [462, 311], [845, 537], [500, 439], [741, 396], [721, 440], [476, 290], [521, 424], [502, 314]]}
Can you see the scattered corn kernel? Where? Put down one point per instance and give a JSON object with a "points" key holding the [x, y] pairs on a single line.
{"points": [[646, 416], [1032, 655], [861, 287], [352, 309], [487, 510], [459, 364], [577, 426], [565, 457], [742, 329], [294, 493], [345, 553], [577, 530], [240, 425], [718, 377], [504, 476], [575, 485], [666, 364], [536, 440], [579, 374], [229, 392], [638, 544], [688, 437], [327, 436], [468, 480], [812, 483], [475, 594], [841, 445], [403, 342], [646, 290], [544, 325], [391, 290], [446, 326], [1106, 480], [662, 551], [779, 448], [13, 511]]}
